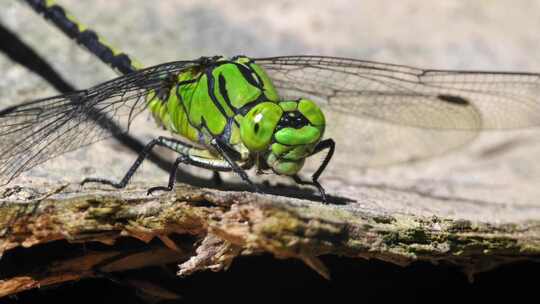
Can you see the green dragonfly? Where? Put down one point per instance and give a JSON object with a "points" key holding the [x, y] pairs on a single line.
{"points": [[232, 114]]}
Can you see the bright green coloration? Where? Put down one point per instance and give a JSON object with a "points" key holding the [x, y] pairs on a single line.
{"points": [[232, 112], [279, 149], [228, 108], [293, 145], [289, 106], [270, 92], [298, 152], [207, 102], [203, 102], [284, 167], [312, 112], [302, 136], [257, 128], [240, 90]]}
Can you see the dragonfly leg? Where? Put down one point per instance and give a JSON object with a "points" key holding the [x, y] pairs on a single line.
{"points": [[216, 178], [160, 141], [190, 160], [172, 176], [298, 180], [188, 155], [223, 151], [323, 145], [193, 156]]}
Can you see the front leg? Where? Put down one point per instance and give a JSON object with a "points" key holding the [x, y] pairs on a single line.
{"points": [[323, 145], [221, 149], [314, 183]]}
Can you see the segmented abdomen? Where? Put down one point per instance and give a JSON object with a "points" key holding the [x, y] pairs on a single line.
{"points": [[84, 36]]}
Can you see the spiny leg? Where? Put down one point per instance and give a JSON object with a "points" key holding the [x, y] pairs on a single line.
{"points": [[192, 156], [323, 145], [160, 141], [172, 176], [199, 158], [189, 160], [298, 180], [188, 154]]}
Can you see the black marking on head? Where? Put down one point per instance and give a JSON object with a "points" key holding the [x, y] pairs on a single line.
{"points": [[454, 99], [293, 119]]}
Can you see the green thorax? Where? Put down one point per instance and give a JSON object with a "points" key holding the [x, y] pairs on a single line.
{"points": [[234, 100], [205, 102]]}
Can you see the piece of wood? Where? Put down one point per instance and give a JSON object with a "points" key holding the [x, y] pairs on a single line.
{"points": [[228, 224]]}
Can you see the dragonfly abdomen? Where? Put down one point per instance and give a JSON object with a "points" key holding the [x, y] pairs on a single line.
{"points": [[84, 36]]}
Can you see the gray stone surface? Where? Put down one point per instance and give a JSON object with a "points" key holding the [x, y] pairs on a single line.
{"points": [[469, 184]]}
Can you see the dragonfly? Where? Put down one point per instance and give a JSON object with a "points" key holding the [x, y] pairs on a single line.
{"points": [[272, 113]]}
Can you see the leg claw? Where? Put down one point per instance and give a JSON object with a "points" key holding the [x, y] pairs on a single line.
{"points": [[154, 189]]}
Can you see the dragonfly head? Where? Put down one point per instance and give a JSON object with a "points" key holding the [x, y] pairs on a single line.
{"points": [[285, 133]]}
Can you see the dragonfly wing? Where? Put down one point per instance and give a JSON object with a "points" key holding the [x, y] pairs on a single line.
{"points": [[367, 142], [34, 132], [402, 113], [501, 100]]}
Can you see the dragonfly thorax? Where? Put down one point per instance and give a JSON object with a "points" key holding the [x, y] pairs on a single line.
{"points": [[285, 133], [235, 101]]}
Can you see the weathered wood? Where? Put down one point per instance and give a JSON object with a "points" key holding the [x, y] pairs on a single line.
{"points": [[229, 224]]}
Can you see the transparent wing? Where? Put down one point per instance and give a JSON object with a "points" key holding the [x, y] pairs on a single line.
{"points": [[34, 132], [401, 113]]}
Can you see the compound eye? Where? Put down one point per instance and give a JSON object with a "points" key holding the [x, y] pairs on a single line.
{"points": [[259, 124]]}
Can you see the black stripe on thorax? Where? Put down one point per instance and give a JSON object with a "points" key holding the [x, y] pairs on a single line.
{"points": [[222, 86], [211, 91], [252, 78]]}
